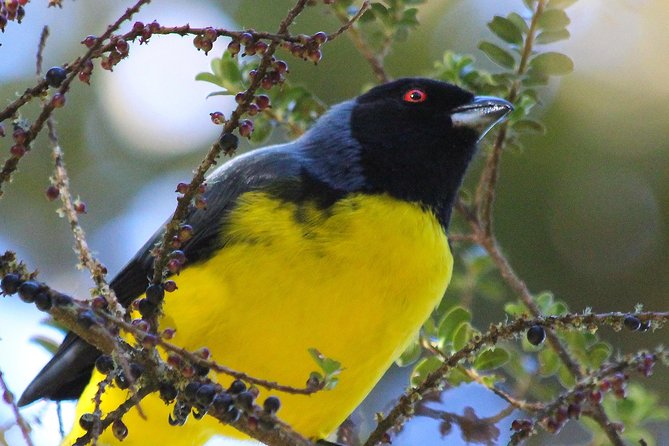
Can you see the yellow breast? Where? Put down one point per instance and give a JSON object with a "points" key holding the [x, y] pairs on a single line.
{"points": [[355, 281]]}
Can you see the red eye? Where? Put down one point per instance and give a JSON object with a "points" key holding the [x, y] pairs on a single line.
{"points": [[415, 95]]}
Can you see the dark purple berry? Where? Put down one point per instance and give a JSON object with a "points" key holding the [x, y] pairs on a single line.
{"points": [[104, 364], [10, 283], [536, 334], [43, 301], [632, 322], [28, 290], [155, 293], [271, 404]]}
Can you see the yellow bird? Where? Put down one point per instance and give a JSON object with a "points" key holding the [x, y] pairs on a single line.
{"points": [[335, 241]]}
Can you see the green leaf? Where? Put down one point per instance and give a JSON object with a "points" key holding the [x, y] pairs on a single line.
{"points": [[461, 336], [208, 77], [553, 20], [491, 359], [506, 30], [519, 21], [549, 363], [328, 365], [451, 321], [409, 17], [560, 4], [534, 78], [552, 36], [457, 376], [530, 4], [544, 300], [529, 126], [424, 367], [411, 354], [599, 353], [220, 93], [515, 309], [552, 64], [497, 55], [46, 343]]}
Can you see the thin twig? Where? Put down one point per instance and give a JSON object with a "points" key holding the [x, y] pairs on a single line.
{"points": [[8, 397], [374, 60], [171, 228], [12, 162], [40, 51], [350, 22]]}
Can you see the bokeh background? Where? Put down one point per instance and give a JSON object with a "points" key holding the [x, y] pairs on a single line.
{"points": [[582, 211]]}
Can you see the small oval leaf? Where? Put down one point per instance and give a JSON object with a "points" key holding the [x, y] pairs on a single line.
{"points": [[497, 55], [529, 126], [552, 64], [552, 36], [506, 30], [491, 359], [553, 20]]}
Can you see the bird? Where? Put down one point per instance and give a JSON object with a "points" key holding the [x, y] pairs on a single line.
{"points": [[335, 242]]}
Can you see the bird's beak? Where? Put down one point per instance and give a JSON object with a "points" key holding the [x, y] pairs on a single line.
{"points": [[481, 114]]}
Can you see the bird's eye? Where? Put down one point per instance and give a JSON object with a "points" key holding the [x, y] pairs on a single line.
{"points": [[415, 95]]}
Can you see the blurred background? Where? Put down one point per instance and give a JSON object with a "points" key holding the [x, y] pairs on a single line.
{"points": [[581, 211]]}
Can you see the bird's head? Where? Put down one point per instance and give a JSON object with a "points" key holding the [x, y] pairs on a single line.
{"points": [[411, 138]]}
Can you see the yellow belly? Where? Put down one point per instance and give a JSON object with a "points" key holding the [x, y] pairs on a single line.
{"points": [[355, 281]]}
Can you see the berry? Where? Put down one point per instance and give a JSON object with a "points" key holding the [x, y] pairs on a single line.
{"points": [[262, 101], [168, 334], [121, 381], [10, 283], [58, 100], [28, 290], [239, 97], [43, 301], [99, 302], [245, 400], [246, 128], [120, 430], [104, 364], [232, 415], [632, 322], [174, 266], [233, 48], [644, 326], [205, 394], [253, 109], [271, 404], [236, 387], [320, 38], [155, 293], [210, 34], [595, 397], [87, 420], [89, 41], [314, 56], [185, 232], [245, 38], [170, 286], [80, 207], [222, 401], [536, 334], [147, 308], [217, 118], [261, 47], [19, 135], [168, 392], [52, 192], [190, 390], [138, 27], [154, 27], [122, 46], [281, 66], [18, 150], [55, 76]]}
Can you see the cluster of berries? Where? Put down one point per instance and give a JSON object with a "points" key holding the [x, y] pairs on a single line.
{"points": [[199, 398], [11, 10]]}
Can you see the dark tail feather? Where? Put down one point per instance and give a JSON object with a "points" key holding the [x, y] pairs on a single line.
{"points": [[66, 375]]}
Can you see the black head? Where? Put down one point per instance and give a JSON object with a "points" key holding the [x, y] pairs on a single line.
{"points": [[417, 137]]}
